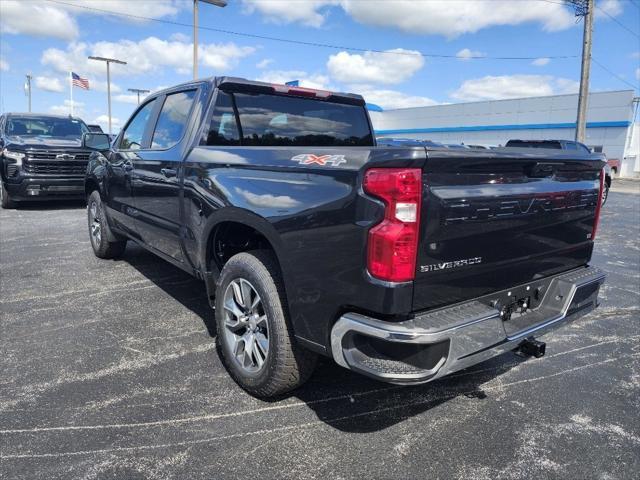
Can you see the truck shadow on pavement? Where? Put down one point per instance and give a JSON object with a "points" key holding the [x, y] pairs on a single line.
{"points": [[184, 288], [345, 400], [353, 403]]}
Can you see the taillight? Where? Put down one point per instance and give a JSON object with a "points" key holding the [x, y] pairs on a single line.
{"points": [[393, 243], [598, 206]]}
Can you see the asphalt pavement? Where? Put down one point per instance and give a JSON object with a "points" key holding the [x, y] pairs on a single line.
{"points": [[109, 371]]}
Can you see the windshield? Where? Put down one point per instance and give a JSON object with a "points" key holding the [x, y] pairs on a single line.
{"points": [[46, 127]]}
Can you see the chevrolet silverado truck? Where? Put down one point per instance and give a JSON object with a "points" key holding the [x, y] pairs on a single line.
{"points": [[403, 263], [41, 157]]}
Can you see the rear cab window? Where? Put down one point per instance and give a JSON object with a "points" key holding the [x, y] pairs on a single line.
{"points": [[285, 120]]}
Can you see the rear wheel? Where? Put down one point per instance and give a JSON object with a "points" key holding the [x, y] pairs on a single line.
{"points": [[254, 337], [5, 198], [102, 247]]}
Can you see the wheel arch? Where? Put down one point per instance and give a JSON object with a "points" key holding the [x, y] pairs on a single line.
{"points": [[248, 232]]}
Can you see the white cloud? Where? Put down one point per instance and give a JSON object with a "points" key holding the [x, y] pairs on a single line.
{"points": [[393, 66], [4, 65], [58, 20], [635, 55], [50, 84], [466, 16], [306, 12], [318, 81], [513, 86], [467, 54], [541, 62], [389, 99], [33, 18], [154, 9], [611, 7], [65, 108], [637, 73], [421, 17], [145, 56], [264, 63], [103, 121], [180, 37]]}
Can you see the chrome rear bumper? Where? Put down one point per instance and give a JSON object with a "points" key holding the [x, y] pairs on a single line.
{"points": [[440, 342]]}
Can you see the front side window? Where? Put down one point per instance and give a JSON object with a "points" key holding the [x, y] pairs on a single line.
{"points": [[173, 119], [132, 136]]}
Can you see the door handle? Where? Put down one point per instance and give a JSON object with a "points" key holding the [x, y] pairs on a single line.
{"points": [[169, 172]]}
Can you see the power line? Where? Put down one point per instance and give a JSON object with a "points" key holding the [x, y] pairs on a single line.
{"points": [[308, 44], [618, 22], [614, 74]]}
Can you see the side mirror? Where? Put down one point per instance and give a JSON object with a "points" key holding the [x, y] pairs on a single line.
{"points": [[96, 141]]}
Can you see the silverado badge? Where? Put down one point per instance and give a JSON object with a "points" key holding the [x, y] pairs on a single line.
{"points": [[453, 264]]}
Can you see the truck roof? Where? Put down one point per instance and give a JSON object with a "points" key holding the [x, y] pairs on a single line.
{"points": [[243, 83]]}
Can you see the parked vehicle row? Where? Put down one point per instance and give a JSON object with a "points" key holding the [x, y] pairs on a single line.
{"points": [[403, 262]]}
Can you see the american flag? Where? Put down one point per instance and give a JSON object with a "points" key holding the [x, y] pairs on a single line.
{"points": [[78, 81]]}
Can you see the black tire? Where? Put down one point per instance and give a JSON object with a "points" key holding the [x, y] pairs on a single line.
{"points": [[102, 247], [6, 199], [287, 365]]}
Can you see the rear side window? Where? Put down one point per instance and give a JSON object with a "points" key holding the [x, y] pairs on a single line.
{"points": [[133, 135], [172, 119], [223, 129], [278, 120]]}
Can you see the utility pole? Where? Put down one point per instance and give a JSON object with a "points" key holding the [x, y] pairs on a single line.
{"points": [[217, 3], [138, 91], [584, 8], [27, 89], [108, 61]]}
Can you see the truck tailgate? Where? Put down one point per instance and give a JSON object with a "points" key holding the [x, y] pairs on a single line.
{"points": [[498, 219]]}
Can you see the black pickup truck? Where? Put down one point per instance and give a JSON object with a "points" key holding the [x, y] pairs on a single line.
{"points": [[41, 157], [401, 263]]}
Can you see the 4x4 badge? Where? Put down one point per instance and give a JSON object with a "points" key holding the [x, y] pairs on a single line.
{"points": [[310, 159]]}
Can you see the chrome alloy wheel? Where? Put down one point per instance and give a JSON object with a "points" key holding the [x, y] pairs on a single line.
{"points": [[246, 328], [94, 225]]}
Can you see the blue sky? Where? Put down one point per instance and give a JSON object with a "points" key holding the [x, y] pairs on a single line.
{"points": [[47, 37]]}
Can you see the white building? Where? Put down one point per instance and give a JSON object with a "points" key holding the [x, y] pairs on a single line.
{"points": [[609, 123]]}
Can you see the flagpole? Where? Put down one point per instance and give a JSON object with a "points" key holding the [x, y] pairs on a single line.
{"points": [[71, 91]]}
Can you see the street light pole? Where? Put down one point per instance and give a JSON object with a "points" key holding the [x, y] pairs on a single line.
{"points": [[28, 89], [138, 91], [217, 3], [108, 61]]}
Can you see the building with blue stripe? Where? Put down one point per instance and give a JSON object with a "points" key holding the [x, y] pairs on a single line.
{"points": [[491, 123]]}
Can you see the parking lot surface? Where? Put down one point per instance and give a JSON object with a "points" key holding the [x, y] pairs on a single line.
{"points": [[109, 370]]}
